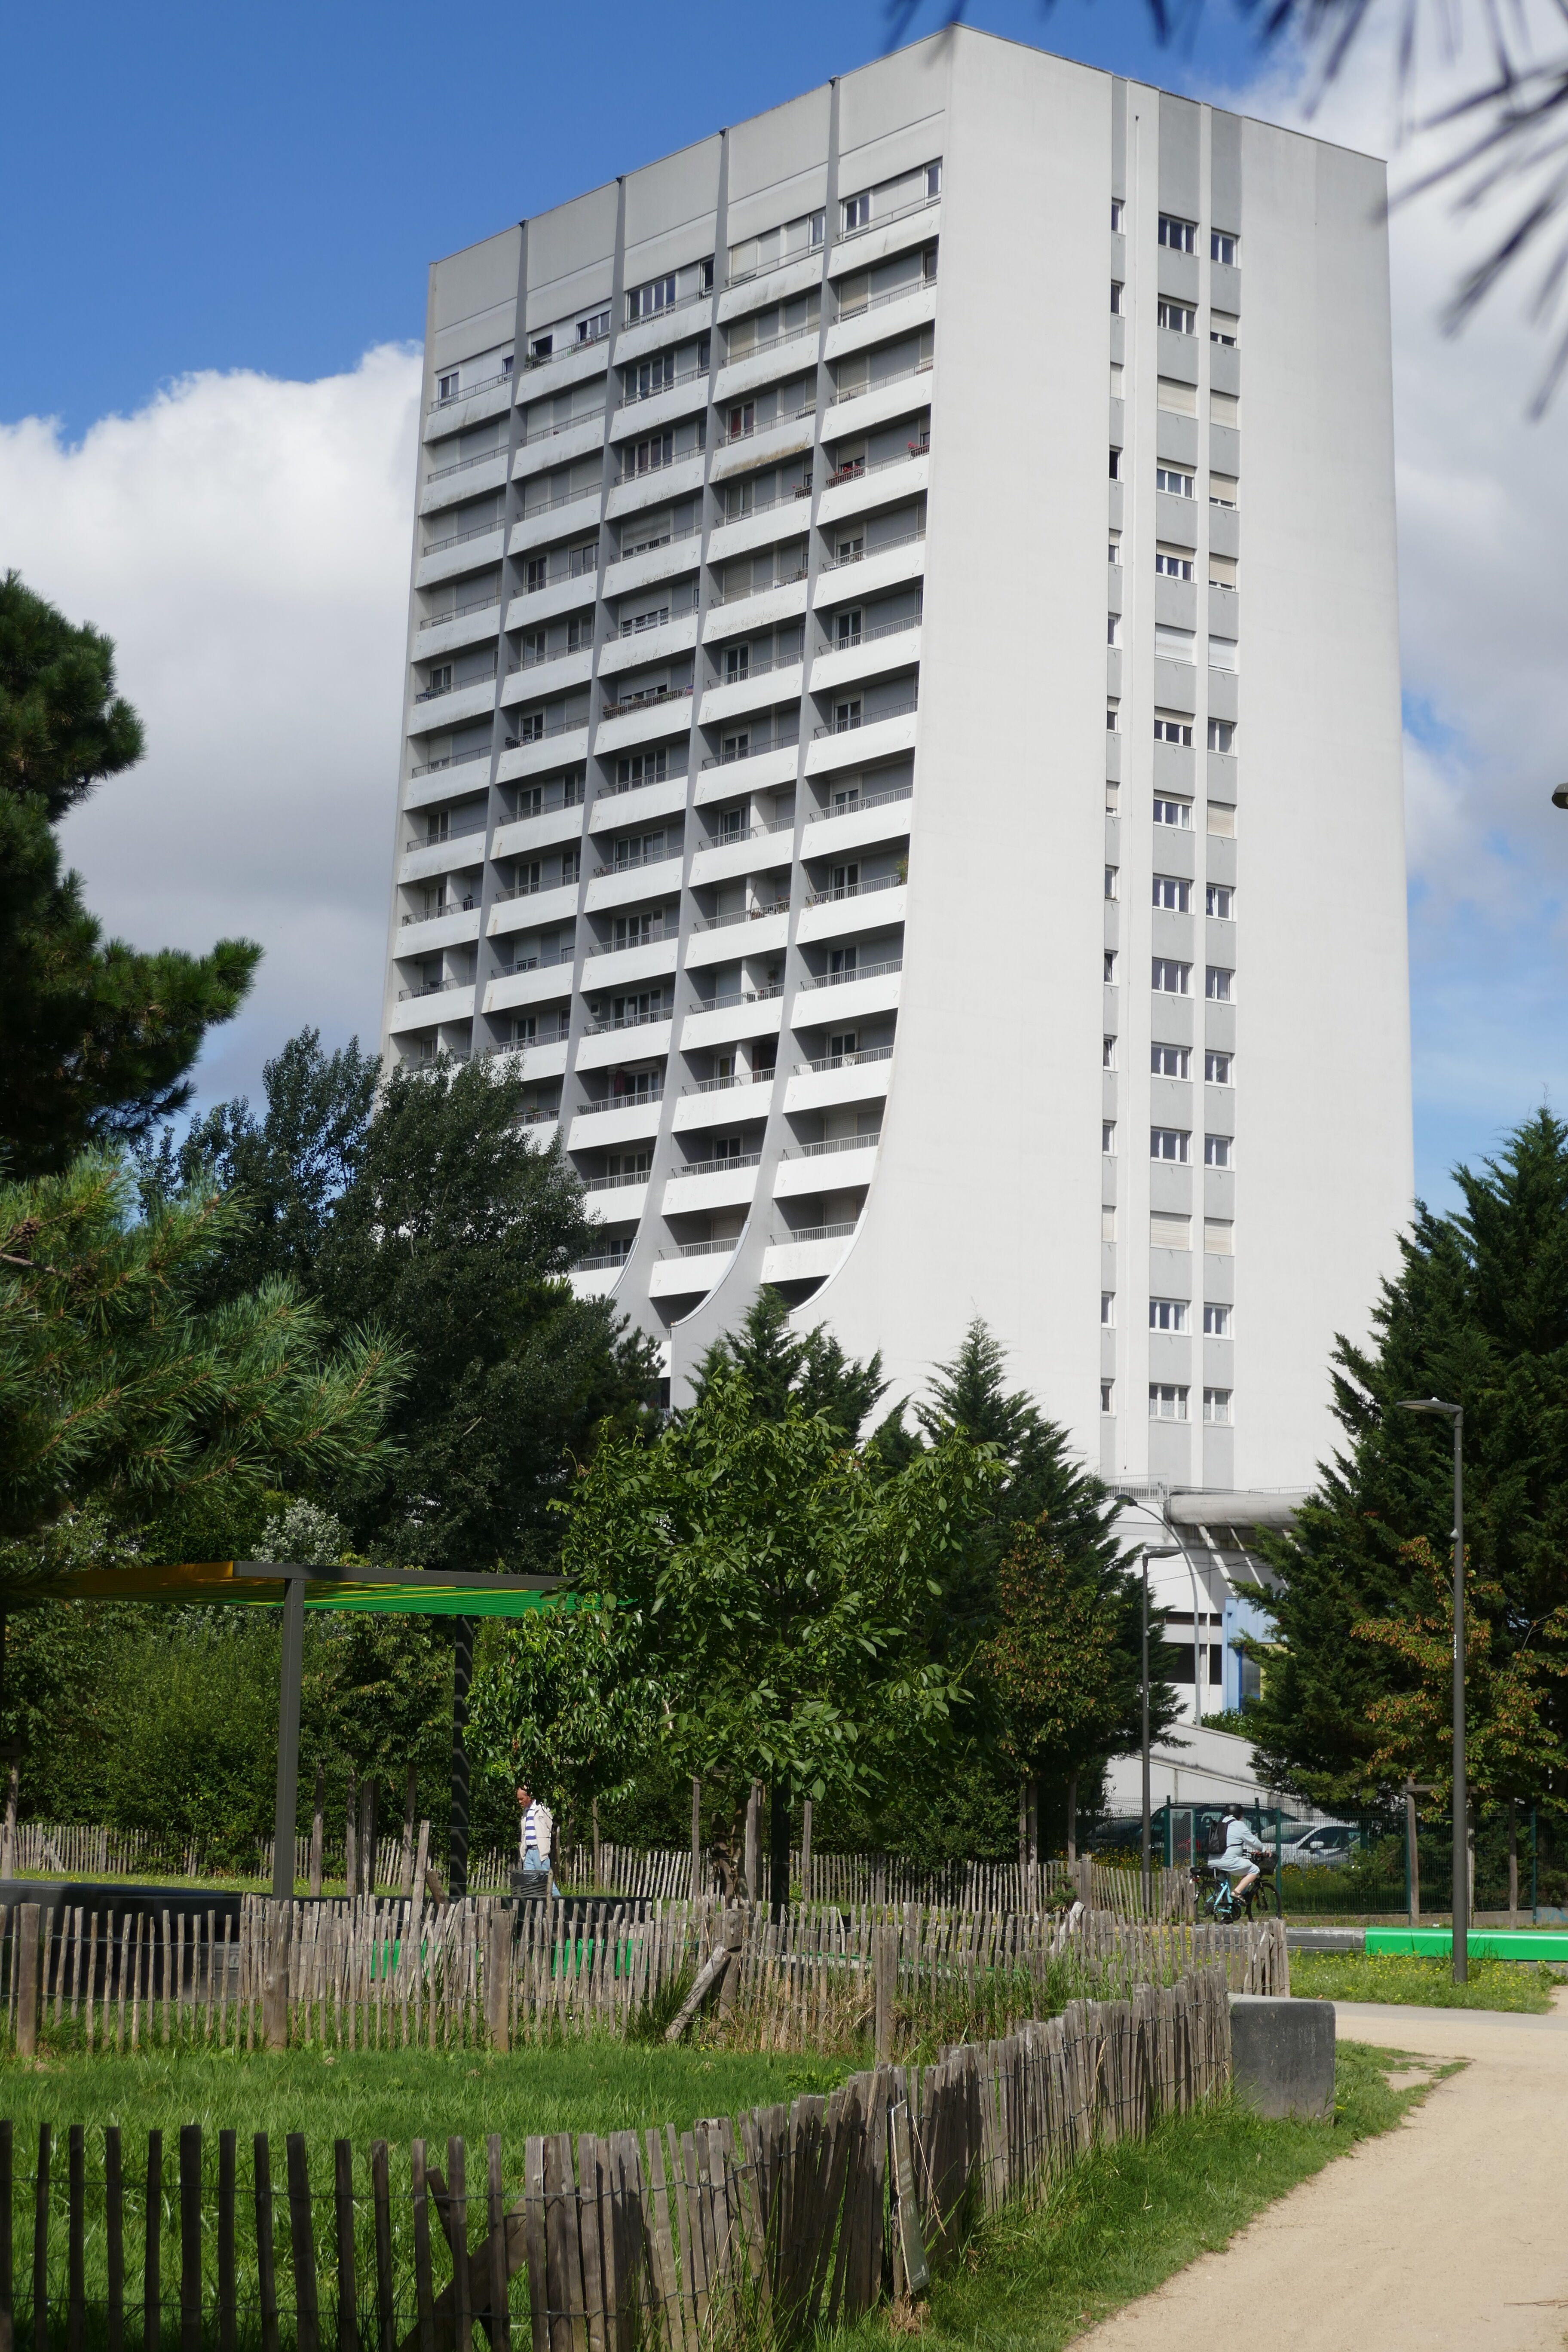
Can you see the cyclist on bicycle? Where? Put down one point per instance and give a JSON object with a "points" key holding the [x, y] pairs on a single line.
{"points": [[1241, 1854]]}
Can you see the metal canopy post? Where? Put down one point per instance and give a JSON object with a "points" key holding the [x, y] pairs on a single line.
{"points": [[289, 1736]]}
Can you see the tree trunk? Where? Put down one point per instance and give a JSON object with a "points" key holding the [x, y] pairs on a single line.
{"points": [[13, 1789], [1033, 1787], [1023, 1825], [1072, 1816], [457, 1837], [593, 1830], [778, 1848], [367, 1837], [316, 1828], [696, 1837]]}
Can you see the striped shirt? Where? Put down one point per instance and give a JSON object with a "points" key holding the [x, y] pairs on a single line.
{"points": [[537, 1823]]}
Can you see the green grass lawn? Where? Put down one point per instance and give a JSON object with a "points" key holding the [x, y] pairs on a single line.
{"points": [[1132, 2215], [595, 2084], [1413, 1976]]}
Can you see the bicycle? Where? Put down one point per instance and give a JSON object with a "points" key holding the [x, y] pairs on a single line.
{"points": [[1218, 1902]]}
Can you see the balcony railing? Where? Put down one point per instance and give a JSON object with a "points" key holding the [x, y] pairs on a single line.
{"points": [[628, 1021], [562, 726], [654, 701], [562, 498], [782, 260], [436, 693], [866, 800], [847, 725], [736, 1079], [738, 595], [681, 302], [835, 1143], [531, 660], [753, 749], [807, 334], [532, 360], [899, 212], [451, 760], [859, 468], [857, 889], [539, 1114], [741, 997], [546, 1033], [862, 971], [461, 538], [601, 1260], [625, 946], [467, 390], [766, 506], [474, 833], [643, 857], [673, 384], [464, 906], [651, 546], [566, 955], [638, 1099], [872, 636], [760, 669], [487, 603], [617, 1183], [463, 465], [749, 432], [741, 915], [725, 1248], [846, 1061], [815, 1234], [718, 1167], [862, 391], [883, 547], [532, 890], [880, 302], [553, 432], [589, 571], [659, 465], [433, 988], [752, 833]]}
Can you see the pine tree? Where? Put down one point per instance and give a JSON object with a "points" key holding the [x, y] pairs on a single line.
{"points": [[1477, 1314], [96, 1038], [780, 1367]]}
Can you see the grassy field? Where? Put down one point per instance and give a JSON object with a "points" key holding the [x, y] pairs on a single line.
{"points": [[593, 2084], [1413, 1978], [1132, 2215]]}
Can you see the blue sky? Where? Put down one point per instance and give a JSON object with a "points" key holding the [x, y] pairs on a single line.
{"points": [[216, 216]]}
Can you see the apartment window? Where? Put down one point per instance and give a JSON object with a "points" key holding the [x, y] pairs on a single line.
{"points": [[1113, 628], [1174, 482], [1219, 1237], [1108, 1307], [1174, 562], [1217, 981], [1169, 1143], [1113, 719], [1216, 1322], [1222, 820], [1116, 292], [541, 347], [1169, 1232], [1217, 1150], [1216, 1404], [1223, 328], [1110, 966], [1176, 813], [1167, 1401], [1225, 653], [1223, 571], [740, 421], [1108, 1137], [1108, 1053], [1169, 977], [648, 456], [1170, 728], [1219, 900], [538, 574], [1176, 397], [1112, 879], [1108, 1396], [658, 294], [1222, 731], [532, 728], [1223, 488], [1225, 408], [1172, 893], [1167, 1315], [594, 328], [857, 212], [1117, 210], [1180, 317], [1113, 552], [1116, 465], [934, 178], [1224, 247], [581, 561], [1170, 1061], [641, 768], [447, 386], [571, 865], [1181, 237], [1216, 1069]]}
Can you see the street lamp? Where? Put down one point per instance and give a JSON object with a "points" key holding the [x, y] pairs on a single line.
{"points": [[1560, 797], [1454, 1414], [1163, 1551]]}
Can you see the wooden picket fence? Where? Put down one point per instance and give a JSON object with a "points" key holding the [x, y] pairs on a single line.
{"points": [[762, 2228], [377, 1974]]}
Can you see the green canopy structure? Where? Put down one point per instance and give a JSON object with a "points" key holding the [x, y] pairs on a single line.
{"points": [[268, 1584]]}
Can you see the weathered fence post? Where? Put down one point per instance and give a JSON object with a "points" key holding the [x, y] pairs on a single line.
{"points": [[28, 1979], [498, 1979], [885, 1983], [733, 1937], [318, 1827]]}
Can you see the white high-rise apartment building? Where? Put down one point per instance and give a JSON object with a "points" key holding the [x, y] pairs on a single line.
{"points": [[903, 739]]}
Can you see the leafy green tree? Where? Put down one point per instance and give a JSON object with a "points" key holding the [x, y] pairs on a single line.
{"points": [[569, 1709], [779, 1589], [457, 1235], [96, 1038], [778, 1365], [115, 1388], [1477, 1314]]}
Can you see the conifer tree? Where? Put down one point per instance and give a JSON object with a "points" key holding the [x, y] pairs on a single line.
{"points": [[779, 1365]]}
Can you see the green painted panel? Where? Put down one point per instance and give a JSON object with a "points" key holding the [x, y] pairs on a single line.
{"points": [[1486, 1943]]}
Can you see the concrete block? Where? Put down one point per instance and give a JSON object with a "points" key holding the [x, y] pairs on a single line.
{"points": [[1325, 1940], [1283, 2055]]}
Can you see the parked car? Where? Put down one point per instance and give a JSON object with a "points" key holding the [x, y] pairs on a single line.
{"points": [[1325, 1846]]}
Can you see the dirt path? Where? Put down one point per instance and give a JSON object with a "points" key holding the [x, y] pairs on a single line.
{"points": [[1446, 2234]]}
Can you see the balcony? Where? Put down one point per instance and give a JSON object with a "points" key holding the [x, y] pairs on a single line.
{"points": [[736, 1079], [461, 538], [753, 746], [863, 800], [850, 722], [553, 505], [886, 219], [730, 1161], [471, 839], [639, 703], [856, 889], [848, 310], [616, 1183], [840, 397], [451, 760], [858, 637], [601, 335], [658, 936], [832, 1145], [468, 391], [627, 1020], [642, 858], [464, 906], [815, 1234], [616, 1256], [863, 554], [741, 915], [861, 971], [463, 686], [433, 988], [553, 432], [731, 839], [743, 595], [464, 465], [489, 602], [844, 1061]]}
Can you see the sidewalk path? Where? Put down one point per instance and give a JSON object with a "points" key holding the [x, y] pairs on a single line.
{"points": [[1446, 2234]]}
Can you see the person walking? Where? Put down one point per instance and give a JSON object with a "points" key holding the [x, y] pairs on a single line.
{"points": [[534, 1828]]}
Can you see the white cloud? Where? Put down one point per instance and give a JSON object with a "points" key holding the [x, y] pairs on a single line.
{"points": [[246, 542]]}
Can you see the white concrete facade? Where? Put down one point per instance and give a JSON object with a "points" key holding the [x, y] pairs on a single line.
{"points": [[860, 891]]}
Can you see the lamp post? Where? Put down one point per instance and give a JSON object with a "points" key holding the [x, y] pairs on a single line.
{"points": [[1163, 1551], [1455, 1415]]}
